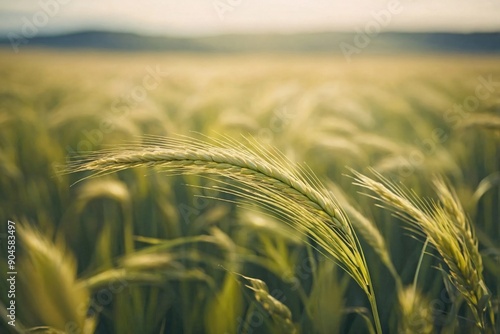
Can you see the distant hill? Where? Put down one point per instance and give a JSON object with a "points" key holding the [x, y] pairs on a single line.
{"points": [[326, 42]]}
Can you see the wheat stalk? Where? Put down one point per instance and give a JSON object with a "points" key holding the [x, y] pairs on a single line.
{"points": [[264, 176]]}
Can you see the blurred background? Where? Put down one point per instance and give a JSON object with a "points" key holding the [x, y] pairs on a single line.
{"points": [[409, 88]]}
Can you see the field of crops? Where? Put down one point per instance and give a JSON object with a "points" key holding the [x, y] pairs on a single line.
{"points": [[249, 193]]}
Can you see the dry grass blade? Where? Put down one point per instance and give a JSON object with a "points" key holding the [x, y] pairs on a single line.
{"points": [[449, 231], [262, 175]]}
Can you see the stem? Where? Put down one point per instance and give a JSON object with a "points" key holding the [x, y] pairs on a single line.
{"points": [[370, 292], [415, 279], [376, 317]]}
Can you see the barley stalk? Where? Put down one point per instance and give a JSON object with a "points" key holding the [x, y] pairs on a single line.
{"points": [[450, 232], [264, 176]]}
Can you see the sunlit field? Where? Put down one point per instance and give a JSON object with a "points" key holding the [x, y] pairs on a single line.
{"points": [[250, 193]]}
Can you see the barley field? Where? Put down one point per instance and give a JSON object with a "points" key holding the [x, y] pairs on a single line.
{"points": [[184, 193]]}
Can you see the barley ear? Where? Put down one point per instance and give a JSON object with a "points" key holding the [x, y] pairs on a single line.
{"points": [[249, 171], [279, 312], [449, 231], [415, 311], [49, 291]]}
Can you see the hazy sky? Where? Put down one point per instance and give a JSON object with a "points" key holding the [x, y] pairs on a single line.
{"points": [[225, 16]]}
